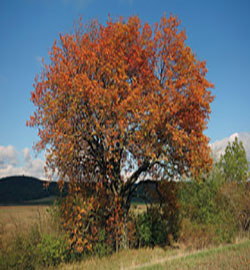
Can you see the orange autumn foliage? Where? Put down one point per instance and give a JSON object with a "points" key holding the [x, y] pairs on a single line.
{"points": [[121, 101]]}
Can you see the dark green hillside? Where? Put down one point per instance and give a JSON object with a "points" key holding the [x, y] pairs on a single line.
{"points": [[16, 189]]}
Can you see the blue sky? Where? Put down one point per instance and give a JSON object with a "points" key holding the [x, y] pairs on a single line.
{"points": [[217, 31]]}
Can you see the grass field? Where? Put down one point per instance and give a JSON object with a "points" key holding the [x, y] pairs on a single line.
{"points": [[17, 219], [14, 219]]}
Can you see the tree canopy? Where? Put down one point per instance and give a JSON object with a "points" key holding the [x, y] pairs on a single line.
{"points": [[234, 163], [122, 101]]}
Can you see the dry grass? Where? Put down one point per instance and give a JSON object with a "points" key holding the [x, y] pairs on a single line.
{"points": [[229, 257], [123, 260], [19, 219]]}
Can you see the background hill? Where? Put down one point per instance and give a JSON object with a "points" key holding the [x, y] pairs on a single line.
{"points": [[24, 189], [17, 189]]}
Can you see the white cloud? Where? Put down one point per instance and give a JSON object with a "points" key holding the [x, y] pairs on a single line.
{"points": [[8, 155], [26, 155], [218, 147], [10, 164], [33, 166]]}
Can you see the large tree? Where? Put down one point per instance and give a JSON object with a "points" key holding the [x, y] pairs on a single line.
{"points": [[123, 101]]}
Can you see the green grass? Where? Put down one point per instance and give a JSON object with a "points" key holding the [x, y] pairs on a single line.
{"points": [[236, 256], [43, 201], [226, 257]]}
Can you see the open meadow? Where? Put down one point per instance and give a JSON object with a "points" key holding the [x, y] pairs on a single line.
{"points": [[19, 218]]}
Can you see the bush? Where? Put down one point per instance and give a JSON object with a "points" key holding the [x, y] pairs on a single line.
{"points": [[198, 201], [36, 248], [151, 228], [52, 251], [205, 213], [170, 208], [236, 197], [21, 253], [101, 248], [132, 232], [197, 236], [144, 227]]}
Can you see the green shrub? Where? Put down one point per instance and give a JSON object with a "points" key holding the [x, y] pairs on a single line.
{"points": [[100, 247], [52, 251], [205, 212], [151, 228], [235, 197], [21, 251], [198, 201], [144, 227], [43, 245], [33, 250]]}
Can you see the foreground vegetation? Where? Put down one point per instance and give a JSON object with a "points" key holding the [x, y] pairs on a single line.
{"points": [[178, 218], [227, 257], [31, 237], [41, 245]]}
